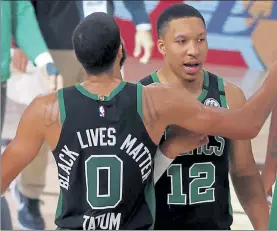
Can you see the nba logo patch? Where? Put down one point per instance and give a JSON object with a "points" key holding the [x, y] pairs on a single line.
{"points": [[212, 102], [101, 111]]}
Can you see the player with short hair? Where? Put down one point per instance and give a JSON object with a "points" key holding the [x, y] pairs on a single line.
{"points": [[194, 192], [104, 133]]}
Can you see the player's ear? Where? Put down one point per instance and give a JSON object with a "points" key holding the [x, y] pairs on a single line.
{"points": [[161, 46], [120, 52]]}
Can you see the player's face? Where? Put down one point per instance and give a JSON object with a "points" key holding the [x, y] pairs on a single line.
{"points": [[184, 47]]}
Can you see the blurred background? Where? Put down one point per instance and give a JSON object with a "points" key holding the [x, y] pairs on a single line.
{"points": [[241, 37]]}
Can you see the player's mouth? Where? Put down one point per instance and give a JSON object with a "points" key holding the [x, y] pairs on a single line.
{"points": [[192, 67]]}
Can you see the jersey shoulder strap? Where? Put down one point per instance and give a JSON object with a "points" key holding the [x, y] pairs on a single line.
{"points": [[152, 78], [63, 93], [217, 83], [61, 106], [139, 100]]}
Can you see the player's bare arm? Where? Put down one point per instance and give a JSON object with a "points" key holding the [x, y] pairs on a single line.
{"points": [[176, 106], [270, 169], [243, 170], [40, 117], [178, 141]]}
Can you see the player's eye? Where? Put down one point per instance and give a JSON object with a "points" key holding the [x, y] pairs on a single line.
{"points": [[202, 40], [181, 42]]}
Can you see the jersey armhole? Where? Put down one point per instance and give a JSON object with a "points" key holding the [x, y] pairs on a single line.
{"points": [[61, 106], [139, 100], [222, 90]]}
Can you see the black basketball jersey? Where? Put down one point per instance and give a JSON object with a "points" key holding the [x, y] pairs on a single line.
{"points": [[105, 161], [194, 191]]}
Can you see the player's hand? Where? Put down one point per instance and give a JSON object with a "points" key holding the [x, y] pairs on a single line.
{"points": [[179, 140], [269, 201], [143, 39], [19, 60], [54, 78]]}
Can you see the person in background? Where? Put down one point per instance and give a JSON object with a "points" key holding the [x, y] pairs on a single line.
{"points": [[18, 21], [57, 21], [140, 18]]}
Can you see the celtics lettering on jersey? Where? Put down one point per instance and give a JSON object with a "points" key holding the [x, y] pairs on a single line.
{"points": [[205, 183], [202, 174], [111, 165]]}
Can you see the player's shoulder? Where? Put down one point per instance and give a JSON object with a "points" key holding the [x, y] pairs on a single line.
{"points": [[42, 109], [44, 99], [43, 103], [228, 86], [234, 95], [232, 88]]}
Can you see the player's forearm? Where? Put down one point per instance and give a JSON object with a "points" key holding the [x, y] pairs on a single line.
{"points": [[251, 195], [260, 105], [164, 156], [26, 31], [269, 173], [161, 163], [270, 168], [7, 173], [246, 122], [139, 14]]}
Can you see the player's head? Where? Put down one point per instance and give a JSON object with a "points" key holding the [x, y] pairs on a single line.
{"points": [[182, 40], [97, 44]]}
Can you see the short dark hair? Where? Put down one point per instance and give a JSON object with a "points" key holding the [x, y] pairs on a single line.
{"points": [[176, 11], [96, 41]]}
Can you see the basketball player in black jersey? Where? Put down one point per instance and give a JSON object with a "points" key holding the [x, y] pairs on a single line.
{"points": [[104, 133], [194, 192]]}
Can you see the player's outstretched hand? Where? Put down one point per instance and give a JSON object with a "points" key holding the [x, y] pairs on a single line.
{"points": [[179, 140]]}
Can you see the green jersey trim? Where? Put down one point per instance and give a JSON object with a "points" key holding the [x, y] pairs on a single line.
{"points": [[61, 106], [85, 92], [139, 100]]}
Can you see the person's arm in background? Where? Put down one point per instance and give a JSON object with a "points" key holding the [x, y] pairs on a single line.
{"points": [[27, 36], [19, 59], [143, 37]]}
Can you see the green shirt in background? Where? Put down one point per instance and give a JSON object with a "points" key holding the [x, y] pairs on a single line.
{"points": [[18, 21], [273, 213]]}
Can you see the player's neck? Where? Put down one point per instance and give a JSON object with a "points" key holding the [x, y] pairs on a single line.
{"points": [[102, 84], [166, 76], [108, 77]]}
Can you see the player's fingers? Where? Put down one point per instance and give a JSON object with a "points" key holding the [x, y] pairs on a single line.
{"points": [[204, 140], [24, 64], [52, 82], [17, 64], [59, 82], [147, 53], [137, 49]]}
